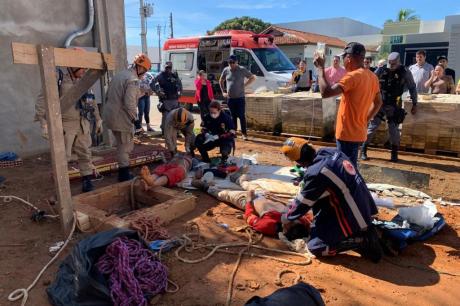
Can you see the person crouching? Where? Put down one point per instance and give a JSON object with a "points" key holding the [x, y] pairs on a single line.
{"points": [[217, 131]]}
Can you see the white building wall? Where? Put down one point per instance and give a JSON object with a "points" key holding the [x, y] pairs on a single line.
{"points": [[432, 26], [454, 49]]}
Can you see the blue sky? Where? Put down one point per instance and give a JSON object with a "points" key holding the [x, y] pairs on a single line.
{"points": [[196, 16]]}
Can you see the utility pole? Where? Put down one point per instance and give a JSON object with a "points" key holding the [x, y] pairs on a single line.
{"points": [[159, 45], [171, 25], [145, 10]]}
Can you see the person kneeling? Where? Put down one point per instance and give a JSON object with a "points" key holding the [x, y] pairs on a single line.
{"points": [[179, 121], [341, 203], [168, 174], [217, 131]]}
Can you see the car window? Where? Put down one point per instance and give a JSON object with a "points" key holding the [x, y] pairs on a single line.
{"points": [[182, 61]]}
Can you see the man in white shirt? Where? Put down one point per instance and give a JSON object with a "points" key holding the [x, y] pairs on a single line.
{"points": [[421, 71]]}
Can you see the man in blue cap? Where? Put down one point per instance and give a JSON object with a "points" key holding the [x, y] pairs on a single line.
{"points": [[233, 76], [394, 80]]}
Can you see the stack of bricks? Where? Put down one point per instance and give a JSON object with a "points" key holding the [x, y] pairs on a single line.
{"points": [[306, 113], [435, 127], [263, 111]]}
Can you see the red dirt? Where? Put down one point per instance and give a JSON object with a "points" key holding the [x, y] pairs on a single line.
{"points": [[344, 280]]}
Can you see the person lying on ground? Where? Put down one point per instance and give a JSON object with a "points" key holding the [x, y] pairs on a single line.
{"points": [[342, 205], [264, 216], [217, 131], [178, 121], [168, 174]]}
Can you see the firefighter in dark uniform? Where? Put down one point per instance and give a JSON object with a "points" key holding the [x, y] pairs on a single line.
{"points": [[338, 196], [394, 80], [168, 87], [218, 131]]}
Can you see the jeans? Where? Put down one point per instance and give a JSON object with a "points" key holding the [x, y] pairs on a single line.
{"points": [[143, 107], [350, 149], [237, 107], [204, 108]]}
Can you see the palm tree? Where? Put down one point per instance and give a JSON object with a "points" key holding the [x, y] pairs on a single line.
{"points": [[404, 15]]}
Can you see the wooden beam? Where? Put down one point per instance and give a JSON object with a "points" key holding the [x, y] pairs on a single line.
{"points": [[74, 94], [56, 137], [27, 54]]}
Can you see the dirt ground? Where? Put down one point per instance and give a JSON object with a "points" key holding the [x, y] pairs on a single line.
{"points": [[417, 277]]}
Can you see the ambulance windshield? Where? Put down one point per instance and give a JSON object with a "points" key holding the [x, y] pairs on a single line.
{"points": [[273, 59]]}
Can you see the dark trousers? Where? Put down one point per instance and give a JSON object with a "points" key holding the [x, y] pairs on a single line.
{"points": [[237, 107], [204, 108], [225, 146], [143, 107], [350, 149]]}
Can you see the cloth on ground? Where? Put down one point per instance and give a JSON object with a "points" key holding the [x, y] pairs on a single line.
{"points": [[404, 190], [8, 156], [301, 294]]}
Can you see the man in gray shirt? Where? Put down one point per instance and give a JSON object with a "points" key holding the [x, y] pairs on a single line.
{"points": [[421, 71], [234, 76]]}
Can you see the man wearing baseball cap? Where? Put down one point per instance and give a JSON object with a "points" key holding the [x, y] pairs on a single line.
{"points": [[233, 77], [360, 100]]}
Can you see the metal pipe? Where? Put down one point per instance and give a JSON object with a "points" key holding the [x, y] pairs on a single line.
{"points": [[88, 27]]}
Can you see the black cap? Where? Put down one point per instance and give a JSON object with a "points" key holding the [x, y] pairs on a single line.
{"points": [[233, 58], [168, 64], [354, 48], [442, 57]]}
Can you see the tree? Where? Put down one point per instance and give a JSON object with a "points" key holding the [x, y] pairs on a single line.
{"points": [[404, 15], [242, 23]]}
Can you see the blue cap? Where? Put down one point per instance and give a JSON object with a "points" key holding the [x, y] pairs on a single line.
{"points": [[233, 58]]}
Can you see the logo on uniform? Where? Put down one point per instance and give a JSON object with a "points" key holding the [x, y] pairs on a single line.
{"points": [[349, 168]]}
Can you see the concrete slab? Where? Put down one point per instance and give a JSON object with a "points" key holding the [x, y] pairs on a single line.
{"points": [[403, 178], [109, 207]]}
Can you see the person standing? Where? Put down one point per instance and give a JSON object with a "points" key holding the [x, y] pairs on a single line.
{"points": [[168, 87], [439, 82], [394, 80], [233, 76], [442, 60], [336, 72], [217, 132], [360, 101], [204, 93], [368, 63], [179, 120], [121, 110], [301, 78], [421, 71], [76, 122], [144, 103]]}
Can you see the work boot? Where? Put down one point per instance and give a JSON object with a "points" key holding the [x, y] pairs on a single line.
{"points": [[87, 185], [124, 174], [394, 154], [364, 152], [370, 247]]}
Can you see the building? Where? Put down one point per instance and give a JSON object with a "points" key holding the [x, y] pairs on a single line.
{"points": [[298, 45], [47, 22], [439, 37]]}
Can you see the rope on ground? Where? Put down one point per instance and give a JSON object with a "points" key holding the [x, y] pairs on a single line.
{"points": [[150, 229], [278, 281], [191, 242], [24, 292], [10, 198]]}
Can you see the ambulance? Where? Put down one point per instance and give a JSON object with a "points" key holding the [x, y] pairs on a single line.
{"points": [[256, 52]]}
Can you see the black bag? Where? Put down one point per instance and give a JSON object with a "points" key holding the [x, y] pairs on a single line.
{"points": [[78, 281], [301, 294]]}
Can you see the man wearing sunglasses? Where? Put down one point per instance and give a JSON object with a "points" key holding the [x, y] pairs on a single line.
{"points": [[233, 76], [360, 100]]}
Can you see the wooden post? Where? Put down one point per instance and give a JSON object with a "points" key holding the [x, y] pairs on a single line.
{"points": [[56, 136]]}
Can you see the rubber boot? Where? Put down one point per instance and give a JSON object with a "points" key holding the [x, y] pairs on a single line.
{"points": [[87, 185], [364, 152], [124, 174], [394, 154]]}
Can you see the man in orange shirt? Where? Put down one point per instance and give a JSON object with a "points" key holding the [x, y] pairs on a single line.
{"points": [[360, 101]]}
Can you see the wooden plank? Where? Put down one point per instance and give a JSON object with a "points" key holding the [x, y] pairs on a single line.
{"points": [[58, 154], [27, 54], [70, 97]]}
